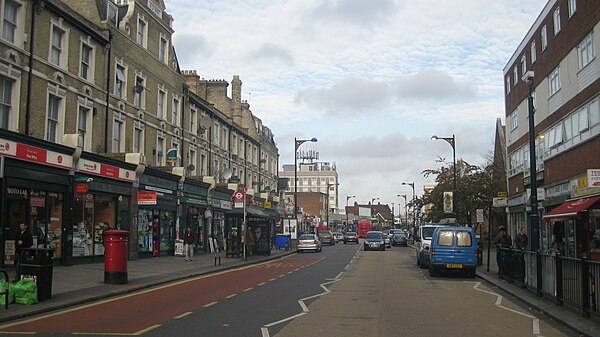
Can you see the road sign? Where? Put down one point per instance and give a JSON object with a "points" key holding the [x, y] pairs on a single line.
{"points": [[502, 194], [82, 188], [237, 196], [82, 179], [479, 215]]}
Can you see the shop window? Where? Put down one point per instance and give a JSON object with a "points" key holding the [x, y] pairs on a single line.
{"points": [[93, 214]]}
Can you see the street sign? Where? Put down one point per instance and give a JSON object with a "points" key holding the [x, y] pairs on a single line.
{"points": [[82, 179], [499, 202], [479, 215], [237, 196], [82, 188], [502, 194]]}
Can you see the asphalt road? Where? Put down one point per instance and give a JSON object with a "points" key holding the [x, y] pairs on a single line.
{"points": [[342, 291]]}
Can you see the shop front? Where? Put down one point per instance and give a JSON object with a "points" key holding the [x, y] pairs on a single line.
{"points": [[157, 213], [574, 227], [193, 207], [215, 216]]}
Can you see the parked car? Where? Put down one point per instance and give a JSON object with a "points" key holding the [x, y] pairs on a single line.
{"points": [[423, 242], [350, 237], [453, 248], [338, 236], [308, 242], [399, 239], [375, 240], [327, 237], [387, 240]]}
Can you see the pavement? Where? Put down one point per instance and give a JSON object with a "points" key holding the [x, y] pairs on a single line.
{"points": [[81, 284]]}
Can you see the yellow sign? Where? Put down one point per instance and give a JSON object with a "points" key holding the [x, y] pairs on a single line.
{"points": [[267, 204], [502, 194]]}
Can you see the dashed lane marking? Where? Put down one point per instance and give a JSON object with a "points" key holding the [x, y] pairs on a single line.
{"points": [[231, 296], [183, 315], [209, 304]]}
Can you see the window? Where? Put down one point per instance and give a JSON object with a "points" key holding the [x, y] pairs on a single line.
{"points": [[138, 140], [193, 161], [162, 49], [568, 129], [594, 113], [84, 121], [117, 136], [160, 151], [583, 119], [446, 238], [515, 76], [225, 138], [554, 81], [544, 38], [216, 132], [142, 31], [86, 65], [139, 96], [556, 18], [175, 112], [533, 53], [120, 81], [160, 110], [523, 65], [193, 115], [56, 45], [463, 239], [6, 87], [572, 7], [507, 85], [52, 124], [514, 120], [9, 20], [585, 51]]}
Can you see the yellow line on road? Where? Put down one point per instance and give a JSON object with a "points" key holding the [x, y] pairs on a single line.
{"points": [[273, 279], [248, 289], [183, 315], [209, 304], [262, 284], [16, 333], [231, 296]]}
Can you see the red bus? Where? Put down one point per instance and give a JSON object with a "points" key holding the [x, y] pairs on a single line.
{"points": [[364, 225]]}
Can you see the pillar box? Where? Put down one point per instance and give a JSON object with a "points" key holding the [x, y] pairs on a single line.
{"points": [[115, 256]]}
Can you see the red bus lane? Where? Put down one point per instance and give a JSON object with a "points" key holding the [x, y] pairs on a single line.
{"points": [[140, 311]]}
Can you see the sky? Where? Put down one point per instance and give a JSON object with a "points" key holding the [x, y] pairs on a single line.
{"points": [[372, 80]]}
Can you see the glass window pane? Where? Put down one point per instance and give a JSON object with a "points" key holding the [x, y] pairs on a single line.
{"points": [[445, 238]]}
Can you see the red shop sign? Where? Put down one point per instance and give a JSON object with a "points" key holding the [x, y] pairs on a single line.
{"points": [[82, 188]]}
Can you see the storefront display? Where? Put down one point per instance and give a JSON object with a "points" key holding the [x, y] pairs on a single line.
{"points": [[93, 214]]}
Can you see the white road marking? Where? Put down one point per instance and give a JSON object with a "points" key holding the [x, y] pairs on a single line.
{"points": [[535, 322]]}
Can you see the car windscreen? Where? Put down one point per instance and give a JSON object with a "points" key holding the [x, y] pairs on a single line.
{"points": [[373, 235], [351, 233], [400, 234], [306, 237], [428, 232]]}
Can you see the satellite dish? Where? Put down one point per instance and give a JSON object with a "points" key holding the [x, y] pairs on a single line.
{"points": [[138, 88], [191, 167], [205, 122], [227, 174]]}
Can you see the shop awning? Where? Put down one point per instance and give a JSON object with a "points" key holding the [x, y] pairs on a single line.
{"points": [[572, 207], [249, 211]]}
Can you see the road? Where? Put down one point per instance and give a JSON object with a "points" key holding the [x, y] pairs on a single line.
{"points": [[340, 291]]}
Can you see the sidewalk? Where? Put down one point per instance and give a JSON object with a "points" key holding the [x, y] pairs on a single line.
{"points": [[572, 319], [84, 283]]}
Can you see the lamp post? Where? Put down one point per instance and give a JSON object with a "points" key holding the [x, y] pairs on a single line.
{"points": [[297, 143], [452, 142], [412, 184], [371, 206], [348, 198], [327, 203], [533, 214], [405, 207], [393, 222]]}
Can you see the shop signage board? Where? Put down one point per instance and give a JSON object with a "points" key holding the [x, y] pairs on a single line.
{"points": [[172, 156], [147, 198], [35, 154], [82, 188], [593, 177], [104, 170], [267, 204]]}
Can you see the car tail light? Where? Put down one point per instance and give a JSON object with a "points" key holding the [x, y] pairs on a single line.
{"points": [[432, 252], [316, 242]]}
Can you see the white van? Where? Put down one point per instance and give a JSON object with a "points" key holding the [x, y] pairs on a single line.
{"points": [[423, 244]]}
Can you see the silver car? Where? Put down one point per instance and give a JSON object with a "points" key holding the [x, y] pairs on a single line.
{"points": [[308, 242]]}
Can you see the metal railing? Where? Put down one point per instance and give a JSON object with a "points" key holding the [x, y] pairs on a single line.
{"points": [[567, 280]]}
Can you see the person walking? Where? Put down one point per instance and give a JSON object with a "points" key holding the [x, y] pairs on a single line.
{"points": [[503, 243], [188, 244], [23, 240], [521, 239]]}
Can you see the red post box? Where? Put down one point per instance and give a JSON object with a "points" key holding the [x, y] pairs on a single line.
{"points": [[115, 256]]}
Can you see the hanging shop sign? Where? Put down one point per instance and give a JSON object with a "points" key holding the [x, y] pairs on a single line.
{"points": [[593, 177], [172, 155], [103, 170], [147, 198], [82, 188], [34, 154]]}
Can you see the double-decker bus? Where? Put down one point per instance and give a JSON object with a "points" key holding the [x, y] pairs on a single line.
{"points": [[364, 225]]}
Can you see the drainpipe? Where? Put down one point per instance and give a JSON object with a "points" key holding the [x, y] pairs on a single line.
{"points": [[107, 110], [30, 74]]}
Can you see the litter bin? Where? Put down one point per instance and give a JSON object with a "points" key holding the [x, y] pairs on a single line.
{"points": [[115, 256], [282, 241], [37, 265]]}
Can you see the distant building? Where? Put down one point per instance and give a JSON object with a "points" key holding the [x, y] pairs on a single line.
{"points": [[312, 177]]}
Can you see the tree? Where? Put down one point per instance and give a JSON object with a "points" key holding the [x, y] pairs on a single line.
{"points": [[476, 186]]}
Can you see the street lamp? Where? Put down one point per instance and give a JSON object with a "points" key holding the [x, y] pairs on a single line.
{"points": [[371, 206], [297, 143], [348, 198], [533, 214], [452, 142], [412, 184], [405, 207], [327, 203]]}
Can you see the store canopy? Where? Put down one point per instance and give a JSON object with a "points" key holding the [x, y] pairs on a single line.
{"points": [[249, 211], [572, 207]]}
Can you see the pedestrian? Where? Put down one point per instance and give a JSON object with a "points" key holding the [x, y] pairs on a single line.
{"points": [[249, 241], [188, 244], [23, 240], [503, 243], [521, 239]]}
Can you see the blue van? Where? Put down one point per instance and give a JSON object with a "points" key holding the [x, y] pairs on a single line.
{"points": [[453, 248]]}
